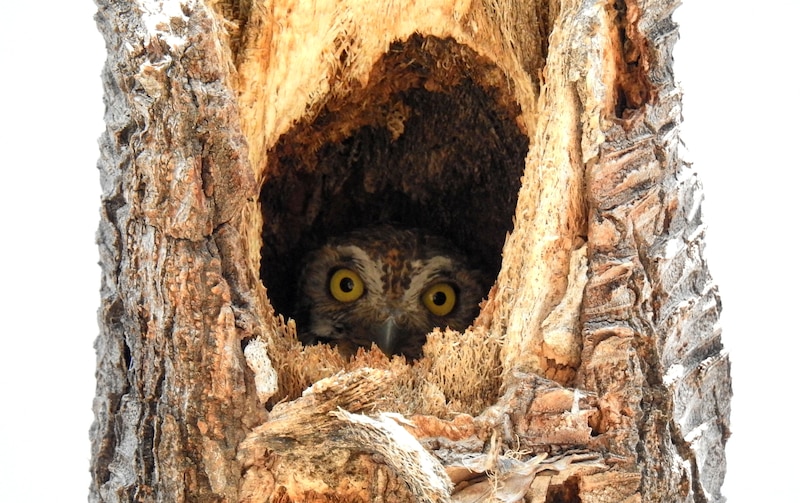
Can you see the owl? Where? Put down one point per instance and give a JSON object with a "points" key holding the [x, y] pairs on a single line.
{"points": [[385, 286]]}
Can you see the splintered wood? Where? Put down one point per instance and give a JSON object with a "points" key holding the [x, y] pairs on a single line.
{"points": [[436, 459], [541, 137]]}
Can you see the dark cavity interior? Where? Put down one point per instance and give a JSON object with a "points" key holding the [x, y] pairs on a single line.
{"points": [[431, 142]]}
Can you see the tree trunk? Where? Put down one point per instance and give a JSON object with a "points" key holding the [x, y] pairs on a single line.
{"points": [[541, 138]]}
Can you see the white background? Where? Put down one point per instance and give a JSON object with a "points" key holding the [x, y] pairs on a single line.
{"points": [[736, 61]]}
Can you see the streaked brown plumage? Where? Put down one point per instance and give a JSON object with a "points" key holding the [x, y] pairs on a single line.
{"points": [[385, 286]]}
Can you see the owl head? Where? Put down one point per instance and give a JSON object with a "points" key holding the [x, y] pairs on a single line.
{"points": [[387, 287]]}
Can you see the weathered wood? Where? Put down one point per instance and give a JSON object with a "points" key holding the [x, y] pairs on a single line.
{"points": [[542, 138], [173, 400]]}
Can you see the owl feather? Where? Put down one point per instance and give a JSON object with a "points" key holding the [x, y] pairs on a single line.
{"points": [[385, 286]]}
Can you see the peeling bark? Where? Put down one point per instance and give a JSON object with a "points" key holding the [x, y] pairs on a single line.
{"points": [[541, 138]]}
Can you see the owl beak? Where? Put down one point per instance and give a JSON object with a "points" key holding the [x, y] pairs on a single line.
{"points": [[387, 335]]}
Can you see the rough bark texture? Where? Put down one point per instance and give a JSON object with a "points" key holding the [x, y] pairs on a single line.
{"points": [[541, 138]]}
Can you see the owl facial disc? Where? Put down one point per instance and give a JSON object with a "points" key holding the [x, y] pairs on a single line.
{"points": [[387, 287]]}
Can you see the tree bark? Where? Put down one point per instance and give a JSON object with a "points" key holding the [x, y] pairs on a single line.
{"points": [[542, 138]]}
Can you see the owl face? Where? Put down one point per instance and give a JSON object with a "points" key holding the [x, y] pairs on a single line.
{"points": [[387, 287]]}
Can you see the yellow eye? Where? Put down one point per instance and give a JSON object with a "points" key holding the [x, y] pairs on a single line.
{"points": [[440, 299], [346, 285]]}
